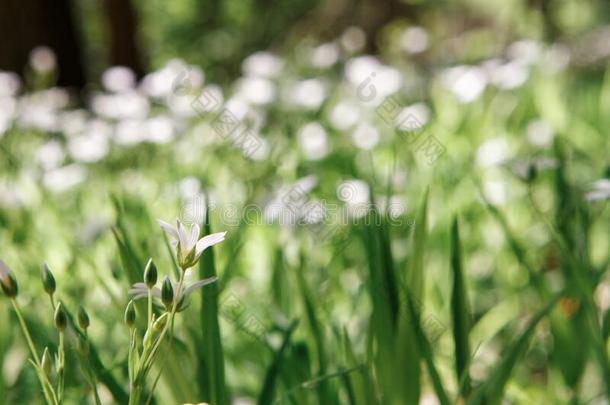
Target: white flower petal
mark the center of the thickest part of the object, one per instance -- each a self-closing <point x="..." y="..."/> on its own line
<point x="209" y="240"/>
<point x="182" y="238"/>
<point x="170" y="230"/>
<point x="194" y="235"/>
<point x="199" y="284"/>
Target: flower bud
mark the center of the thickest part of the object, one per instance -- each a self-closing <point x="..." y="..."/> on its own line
<point x="167" y="293"/>
<point x="61" y="321"/>
<point x="152" y="333"/>
<point x="160" y="323"/>
<point x="8" y="281"/>
<point x="46" y="363"/>
<point x="150" y="274"/>
<point x="83" y="318"/>
<point x="130" y="314"/>
<point x="48" y="281"/>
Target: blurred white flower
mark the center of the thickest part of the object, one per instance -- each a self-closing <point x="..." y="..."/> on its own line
<point x="465" y="82"/>
<point x="313" y="141"/>
<point x="10" y="195"/>
<point x="238" y="108"/>
<point x="353" y="192"/>
<point x="600" y="190"/>
<point x="159" y="129"/>
<point x="414" y="40"/>
<point x="175" y="77"/>
<point x="88" y="148"/>
<point x="262" y="64"/>
<point x="356" y="196"/>
<point x="128" y="104"/>
<point x="41" y="110"/>
<point x="8" y="109"/>
<point x="344" y="115"/>
<point x="507" y="75"/>
<point x="42" y="59"/>
<point x="255" y="90"/>
<point x="494" y="191"/>
<point x="308" y="94"/>
<point x="130" y="132"/>
<point x="9" y="84"/>
<point x="118" y="79"/>
<point x="325" y="55"/>
<point x="539" y="133"/>
<point x="40" y="117"/>
<point x="353" y="39"/>
<point x="492" y="152"/>
<point x="64" y="178"/>
<point x="526" y="51"/>
<point x="72" y="122"/>
<point x="189" y="105"/>
<point x="291" y="202"/>
<point x="365" y="136"/>
<point x="189" y="186"/>
<point x="372" y="80"/>
<point x="556" y="58"/>
<point x="260" y="151"/>
<point x="413" y="117"/>
<point x="602" y="296"/>
<point x="50" y="155"/>
<point x="189" y="247"/>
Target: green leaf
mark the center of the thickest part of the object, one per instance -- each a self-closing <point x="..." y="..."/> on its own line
<point x="210" y="371"/>
<point x="491" y="391"/>
<point x="273" y="371"/>
<point x="460" y="312"/>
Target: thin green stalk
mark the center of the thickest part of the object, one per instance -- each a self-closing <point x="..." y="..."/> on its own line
<point x="171" y="335"/>
<point x="44" y="382"/>
<point x="149" y="357"/>
<point x="60" y="368"/>
<point x="149" y="307"/>
<point x="26" y="333"/>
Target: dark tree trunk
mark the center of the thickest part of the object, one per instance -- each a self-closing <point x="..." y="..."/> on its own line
<point x="25" y="24"/>
<point x="122" y="24"/>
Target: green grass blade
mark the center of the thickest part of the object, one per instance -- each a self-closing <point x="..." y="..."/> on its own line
<point x="460" y="312"/>
<point x="425" y="350"/>
<point x="271" y="376"/>
<point x="210" y="371"/>
<point x="491" y="391"/>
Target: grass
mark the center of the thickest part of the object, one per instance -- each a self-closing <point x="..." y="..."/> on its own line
<point x="333" y="313"/>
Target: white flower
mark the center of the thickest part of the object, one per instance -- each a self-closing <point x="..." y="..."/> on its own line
<point x="140" y="290"/>
<point x="189" y="247"/>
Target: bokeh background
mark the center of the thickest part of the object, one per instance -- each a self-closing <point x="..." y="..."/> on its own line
<point x="335" y="141"/>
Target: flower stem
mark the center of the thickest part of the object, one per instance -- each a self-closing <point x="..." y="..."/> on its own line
<point x="149" y="307"/>
<point x="60" y="367"/>
<point x="26" y="332"/>
<point x="47" y="389"/>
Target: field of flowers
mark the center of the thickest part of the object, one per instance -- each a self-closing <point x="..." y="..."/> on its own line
<point x="332" y="227"/>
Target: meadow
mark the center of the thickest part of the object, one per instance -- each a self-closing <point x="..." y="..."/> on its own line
<point x="331" y="227"/>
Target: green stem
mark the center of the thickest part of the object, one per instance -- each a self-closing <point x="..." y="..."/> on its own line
<point x="25" y="331"/>
<point x="149" y="307"/>
<point x="60" y="368"/>
<point x="47" y="389"/>
<point x="134" y="395"/>
<point x="149" y="357"/>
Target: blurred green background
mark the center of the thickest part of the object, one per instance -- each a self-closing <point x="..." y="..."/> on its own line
<point x="356" y="137"/>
